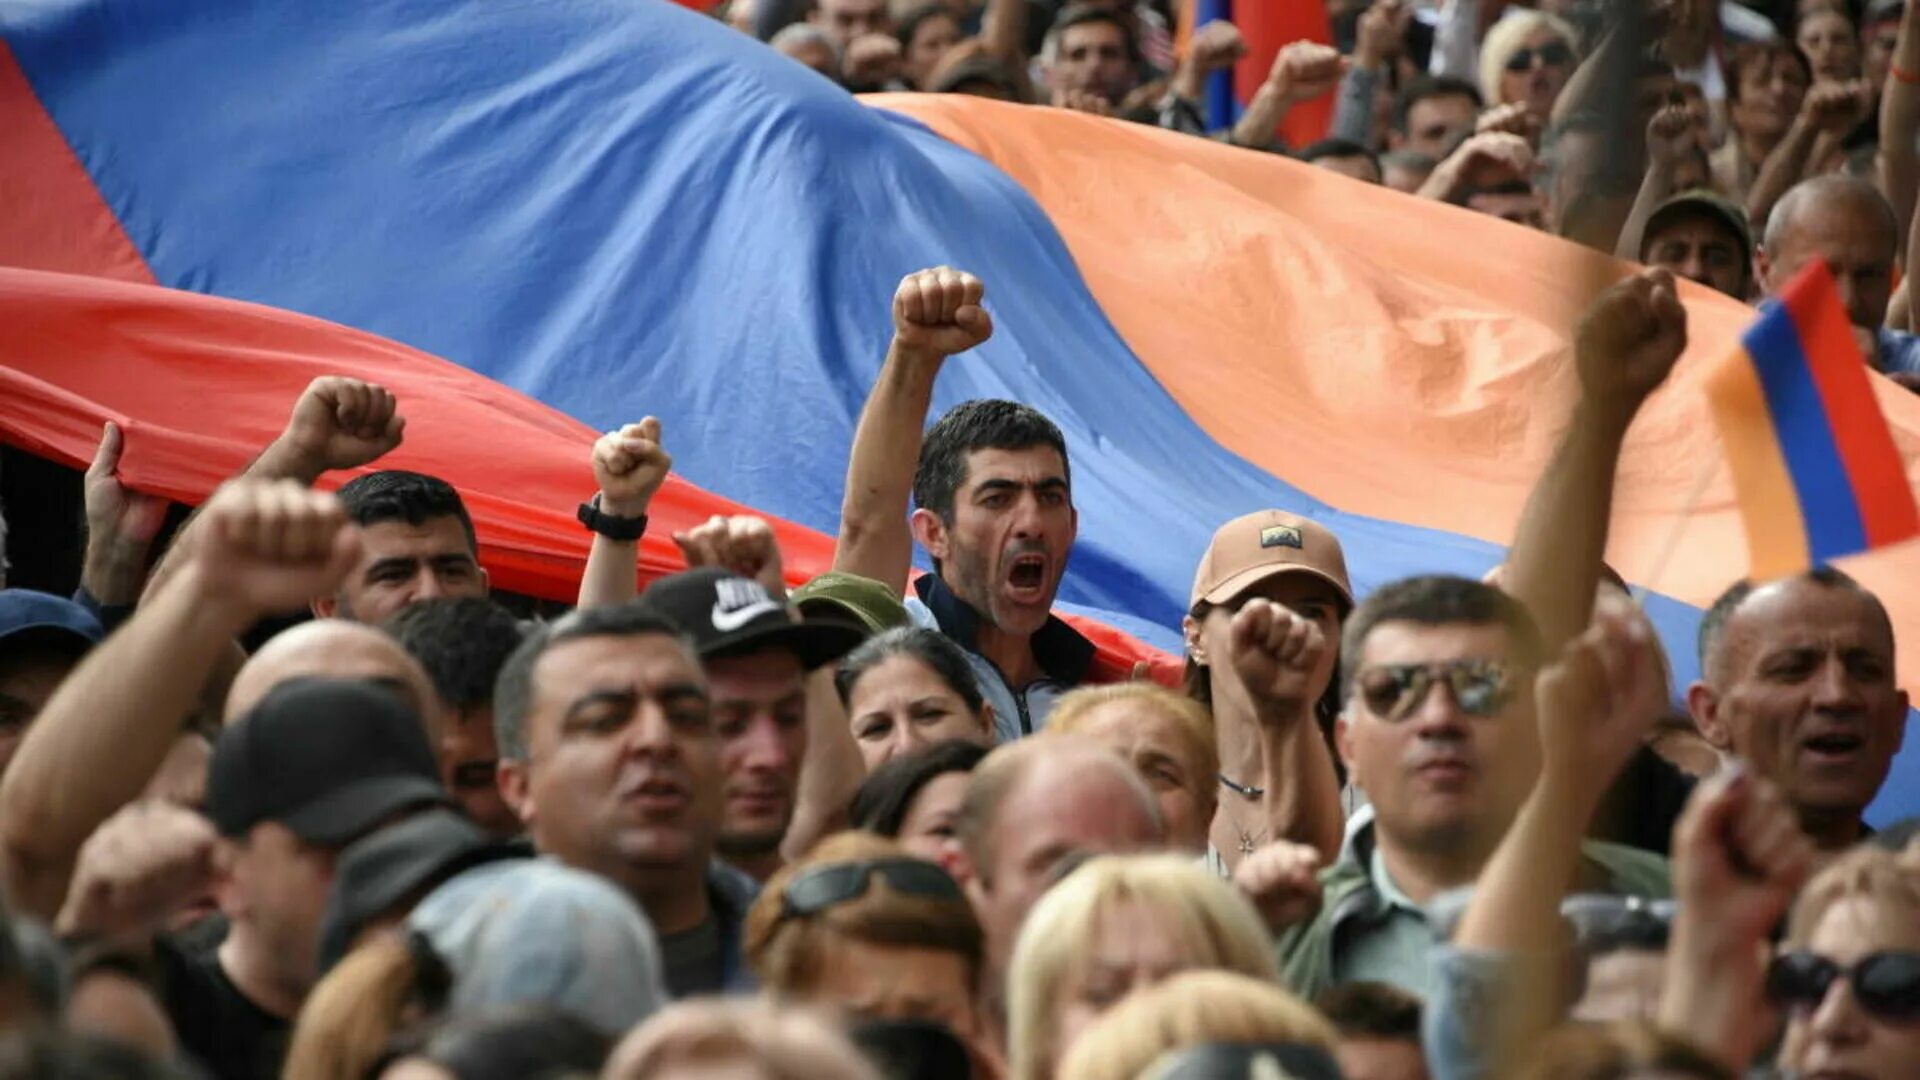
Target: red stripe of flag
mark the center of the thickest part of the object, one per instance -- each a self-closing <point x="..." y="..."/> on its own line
<point x="1865" y="446"/>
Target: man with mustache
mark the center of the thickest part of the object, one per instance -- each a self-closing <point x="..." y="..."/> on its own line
<point x="993" y="507"/>
<point x="1439" y="731"/>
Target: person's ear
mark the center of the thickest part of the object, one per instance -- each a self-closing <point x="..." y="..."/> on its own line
<point x="228" y="892"/>
<point x="1343" y="742"/>
<point x="930" y="532"/>
<point x="514" y="781"/>
<point x="324" y="607"/>
<point x="1704" y="706"/>
<point x="1762" y="266"/>
<point x="1196" y="645"/>
<point x="959" y="866"/>
<point x="486" y="582"/>
<point x="987" y="728"/>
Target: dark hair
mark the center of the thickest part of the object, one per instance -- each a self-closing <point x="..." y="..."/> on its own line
<point x="1371" y="1010"/>
<point x="930" y="647"/>
<point x="1083" y="14"/>
<point x="1431" y="86"/>
<point x="1438" y="600"/>
<point x="910" y="25"/>
<point x="1754" y="53"/>
<point x="1516" y="186"/>
<point x="462" y="643"/>
<point x="398" y="495"/>
<point x="513" y="691"/>
<point x="44" y="1053"/>
<point x="1339" y="148"/>
<point x="522" y="1041"/>
<point x="1713" y="625"/>
<point x="885" y="796"/>
<point x="981" y="424"/>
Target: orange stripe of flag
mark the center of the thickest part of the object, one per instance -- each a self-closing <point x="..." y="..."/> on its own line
<point x="1769" y="509"/>
<point x="1865" y="446"/>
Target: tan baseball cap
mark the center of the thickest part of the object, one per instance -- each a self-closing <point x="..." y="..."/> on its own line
<point x="1263" y="544"/>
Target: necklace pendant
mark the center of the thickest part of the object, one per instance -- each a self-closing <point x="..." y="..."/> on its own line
<point x="1247" y="846"/>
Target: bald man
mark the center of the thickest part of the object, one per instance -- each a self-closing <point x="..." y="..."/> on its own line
<point x="1031" y="807"/>
<point x="334" y="649"/>
<point x="1846" y="221"/>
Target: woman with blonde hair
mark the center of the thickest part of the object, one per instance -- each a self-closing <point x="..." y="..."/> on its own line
<point x="1202" y="1008"/>
<point x="1166" y="737"/>
<point x="1112" y="926"/>
<point x="861" y="927"/>
<point x="742" y="1039"/>
<point x="1528" y="58"/>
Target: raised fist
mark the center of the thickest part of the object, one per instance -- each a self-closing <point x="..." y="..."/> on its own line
<point x="1629" y="340"/>
<point x="1215" y="47"/>
<point x="938" y="312"/>
<point x="1601" y="697"/>
<point x="342" y="423"/>
<point x="1837" y="107"/>
<point x="139" y="867"/>
<point x="1275" y="653"/>
<point x="1671" y="137"/>
<point x="1740" y="854"/>
<point x="1282" y="879"/>
<point x="871" y="60"/>
<point x="742" y="544"/>
<point x="1304" y="70"/>
<point x="630" y="465"/>
<point x="1382" y="33"/>
<point x="270" y="546"/>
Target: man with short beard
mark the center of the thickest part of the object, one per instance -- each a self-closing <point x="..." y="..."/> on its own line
<point x="994" y="508"/>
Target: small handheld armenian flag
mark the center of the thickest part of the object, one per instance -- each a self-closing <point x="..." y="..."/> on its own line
<point x="1814" y="466"/>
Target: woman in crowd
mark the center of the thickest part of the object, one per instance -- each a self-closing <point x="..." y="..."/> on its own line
<point x="915" y="799"/>
<point x="909" y="688"/>
<point x="1167" y="737"/>
<point x="1766" y="83"/>
<point x="1270" y="764"/>
<point x="1527" y="58"/>
<point x="1253" y="1016"/>
<point x="926" y="33"/>
<point x="860" y="927"/>
<point x="1831" y="44"/>
<point x="1113" y="926"/>
<point x="739" y="1039"/>
<point x="1848" y="975"/>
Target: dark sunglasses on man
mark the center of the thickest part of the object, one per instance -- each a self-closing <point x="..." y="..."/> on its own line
<point x="1552" y="54"/>
<point x="818" y="888"/>
<point x="1394" y="691"/>
<point x="1886" y="984"/>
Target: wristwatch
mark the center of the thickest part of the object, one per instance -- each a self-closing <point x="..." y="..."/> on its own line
<point x="611" y="526"/>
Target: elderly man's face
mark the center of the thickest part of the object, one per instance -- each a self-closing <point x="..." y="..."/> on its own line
<point x="1852" y="235"/>
<point x="1802" y="687"/>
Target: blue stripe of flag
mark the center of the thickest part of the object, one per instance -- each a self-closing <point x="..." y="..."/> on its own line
<point x="1827" y="504"/>
<point x="1223" y="106"/>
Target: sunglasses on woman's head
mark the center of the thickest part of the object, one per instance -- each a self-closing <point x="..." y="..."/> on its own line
<point x="1394" y="691"/>
<point x="1886" y="984"/>
<point x="1552" y="54"/>
<point x="818" y="888"/>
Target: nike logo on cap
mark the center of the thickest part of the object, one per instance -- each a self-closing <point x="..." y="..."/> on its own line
<point x="727" y="621"/>
<point x="738" y="602"/>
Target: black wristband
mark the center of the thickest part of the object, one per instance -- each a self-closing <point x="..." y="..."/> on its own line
<point x="628" y="529"/>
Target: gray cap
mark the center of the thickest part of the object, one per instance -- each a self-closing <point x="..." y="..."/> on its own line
<point x="535" y="932"/>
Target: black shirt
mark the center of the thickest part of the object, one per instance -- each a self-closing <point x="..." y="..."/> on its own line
<point x="218" y="1025"/>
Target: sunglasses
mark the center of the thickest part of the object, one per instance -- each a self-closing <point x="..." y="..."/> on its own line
<point x="1394" y="691"/>
<point x="816" y="889"/>
<point x="1887" y="984"/>
<point x="1554" y="54"/>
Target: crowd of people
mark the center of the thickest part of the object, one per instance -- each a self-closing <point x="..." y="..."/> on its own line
<point x="901" y="823"/>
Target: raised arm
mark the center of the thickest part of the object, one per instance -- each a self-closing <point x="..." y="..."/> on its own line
<point x="1827" y="114"/>
<point x="1302" y="71"/>
<point x="1596" y="704"/>
<point x="266" y="548"/>
<point x="629" y="465"/>
<point x="936" y="313"/>
<point x="121" y="526"/>
<point x="1670" y="139"/>
<point x="1275" y="653"/>
<point x="1215" y="47"/>
<point x="1900" y="126"/>
<point x="1379" y="41"/>
<point x="1624" y="347"/>
<point x="1739" y="856"/>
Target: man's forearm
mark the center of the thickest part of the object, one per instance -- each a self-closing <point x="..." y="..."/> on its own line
<point x="1259" y="125"/>
<point x="1785" y="167"/>
<point x="1711" y="993"/>
<point x="1900" y="127"/>
<point x="1554" y="566"/>
<point x="1655" y="188"/>
<point x="1353" y="111"/>
<point x="874" y="541"/>
<point x="104" y="734"/>
<point x="831" y="772"/>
